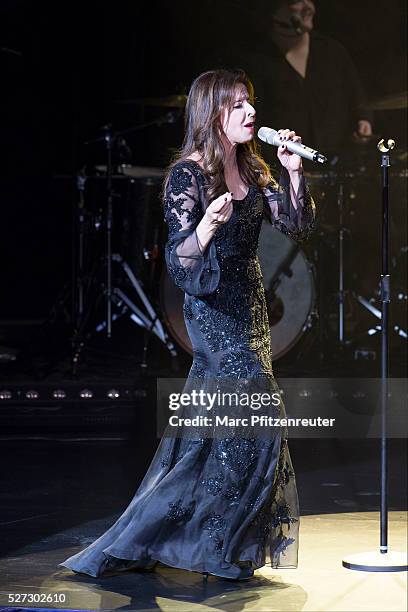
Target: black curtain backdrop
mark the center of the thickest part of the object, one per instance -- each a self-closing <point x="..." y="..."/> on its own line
<point x="65" y="66"/>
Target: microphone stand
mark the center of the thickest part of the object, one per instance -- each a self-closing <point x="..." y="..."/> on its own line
<point x="382" y="560"/>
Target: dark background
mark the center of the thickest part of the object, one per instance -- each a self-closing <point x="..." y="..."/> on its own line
<point x="65" y="64"/>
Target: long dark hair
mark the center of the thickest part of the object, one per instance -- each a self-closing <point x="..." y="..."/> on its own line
<point x="210" y="93"/>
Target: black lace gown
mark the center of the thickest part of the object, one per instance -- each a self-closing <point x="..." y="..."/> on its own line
<point x="225" y="506"/>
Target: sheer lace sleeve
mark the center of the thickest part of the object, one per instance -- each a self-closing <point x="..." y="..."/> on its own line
<point x="194" y="271"/>
<point x="298" y="223"/>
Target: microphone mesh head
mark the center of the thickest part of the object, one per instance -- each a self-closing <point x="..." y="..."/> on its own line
<point x="266" y="134"/>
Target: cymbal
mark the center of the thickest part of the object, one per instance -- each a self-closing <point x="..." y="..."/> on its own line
<point x="136" y="171"/>
<point x="394" y="101"/>
<point x="176" y="101"/>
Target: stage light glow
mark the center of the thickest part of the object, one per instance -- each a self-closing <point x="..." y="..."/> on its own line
<point x="113" y="394"/>
<point x="86" y="394"/>
<point x="32" y="394"/>
<point x="59" y="394"/>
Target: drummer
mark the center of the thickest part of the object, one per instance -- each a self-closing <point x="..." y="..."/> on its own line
<point x="309" y="81"/>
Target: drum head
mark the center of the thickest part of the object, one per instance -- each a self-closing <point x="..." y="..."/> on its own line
<point x="172" y="300"/>
<point x="289" y="291"/>
<point x="289" y="288"/>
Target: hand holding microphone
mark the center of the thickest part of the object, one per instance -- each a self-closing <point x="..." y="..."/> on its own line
<point x="291" y="161"/>
<point x="292" y="144"/>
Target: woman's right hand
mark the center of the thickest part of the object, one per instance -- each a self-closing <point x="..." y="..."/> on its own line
<point x="220" y="210"/>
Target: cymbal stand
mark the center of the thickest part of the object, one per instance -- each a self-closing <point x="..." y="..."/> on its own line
<point x="108" y="228"/>
<point x="78" y="285"/>
<point x="341" y="293"/>
<point x="342" y="232"/>
<point x="151" y="256"/>
<point x="114" y="295"/>
<point x="151" y="321"/>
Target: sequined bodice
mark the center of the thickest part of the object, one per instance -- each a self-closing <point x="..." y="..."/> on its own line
<point x="239" y="237"/>
<point x="225" y="309"/>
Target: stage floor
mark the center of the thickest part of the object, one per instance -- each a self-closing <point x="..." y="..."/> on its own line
<point x="58" y="496"/>
<point x="319" y="583"/>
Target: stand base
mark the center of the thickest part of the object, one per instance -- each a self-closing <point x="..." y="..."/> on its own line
<point x="375" y="561"/>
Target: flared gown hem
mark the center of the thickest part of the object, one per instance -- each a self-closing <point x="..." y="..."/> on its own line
<point x="211" y="568"/>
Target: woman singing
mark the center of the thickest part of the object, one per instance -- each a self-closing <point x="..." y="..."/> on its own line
<point x="218" y="505"/>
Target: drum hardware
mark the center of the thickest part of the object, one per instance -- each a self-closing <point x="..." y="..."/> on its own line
<point x="139" y="172"/>
<point x="79" y="285"/>
<point x="398" y="294"/>
<point x="310" y="321"/>
<point x="154" y="325"/>
<point x="275" y="307"/>
<point x="113" y="296"/>
<point x="340" y="201"/>
<point x="341" y="293"/>
<point x="342" y="177"/>
<point x="400" y="332"/>
<point x="326" y="183"/>
<point x="377" y="313"/>
<point x="315" y="248"/>
<point x="364" y="353"/>
<point x="343" y="181"/>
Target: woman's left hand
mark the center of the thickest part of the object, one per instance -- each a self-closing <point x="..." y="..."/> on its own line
<point x="290" y="161"/>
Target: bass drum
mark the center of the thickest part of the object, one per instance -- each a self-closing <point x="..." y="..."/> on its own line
<point x="289" y="288"/>
<point x="289" y="291"/>
<point x="172" y="300"/>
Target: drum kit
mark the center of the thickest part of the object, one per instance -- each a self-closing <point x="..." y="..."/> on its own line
<point x="327" y="288"/>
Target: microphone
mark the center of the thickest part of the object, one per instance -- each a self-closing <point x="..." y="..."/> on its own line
<point x="272" y="137"/>
<point x="297" y="24"/>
